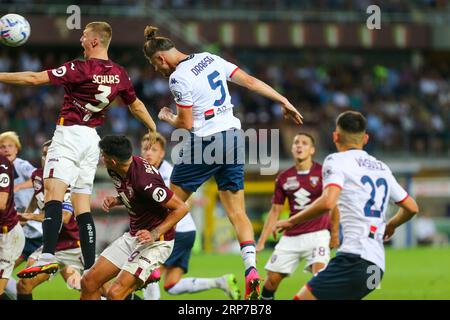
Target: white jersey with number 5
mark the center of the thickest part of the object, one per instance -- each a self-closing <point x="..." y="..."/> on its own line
<point x="200" y="82"/>
<point x="367" y="185"/>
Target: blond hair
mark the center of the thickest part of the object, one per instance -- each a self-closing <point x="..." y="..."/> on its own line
<point x="103" y="30"/>
<point x="11" y="135"/>
<point x="158" y="138"/>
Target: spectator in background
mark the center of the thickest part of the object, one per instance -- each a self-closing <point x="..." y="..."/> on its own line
<point x="427" y="233"/>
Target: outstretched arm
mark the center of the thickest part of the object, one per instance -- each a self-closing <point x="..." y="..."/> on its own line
<point x="243" y="79"/>
<point x="26" y="78"/>
<point x="139" y="111"/>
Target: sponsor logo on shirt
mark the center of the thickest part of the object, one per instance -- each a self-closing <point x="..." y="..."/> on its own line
<point x="61" y="71"/>
<point x="4" y="180"/>
<point x="291" y="184"/>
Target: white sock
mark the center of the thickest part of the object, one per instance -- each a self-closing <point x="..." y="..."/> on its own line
<point x="191" y="285"/>
<point x="152" y="292"/>
<point x="11" y="289"/>
<point x="46" y="257"/>
<point x="248" y="254"/>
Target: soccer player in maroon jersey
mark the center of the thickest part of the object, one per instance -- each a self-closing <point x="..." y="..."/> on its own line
<point x="154" y="210"/>
<point x="90" y="86"/>
<point x="68" y="253"/>
<point x="12" y="239"/>
<point x="301" y="185"/>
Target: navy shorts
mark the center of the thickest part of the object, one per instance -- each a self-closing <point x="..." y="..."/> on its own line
<point x="184" y="241"/>
<point x="221" y="155"/>
<point x="31" y="245"/>
<point x="346" y="277"/>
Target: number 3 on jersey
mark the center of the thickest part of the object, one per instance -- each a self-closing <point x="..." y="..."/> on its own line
<point x="368" y="212"/>
<point x="216" y="84"/>
<point x="105" y="91"/>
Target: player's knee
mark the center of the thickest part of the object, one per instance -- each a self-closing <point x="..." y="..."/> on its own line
<point x="24" y="286"/>
<point x="89" y="284"/>
<point x="114" y="293"/>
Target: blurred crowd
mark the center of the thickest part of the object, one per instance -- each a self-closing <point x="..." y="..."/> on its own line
<point x="311" y="5"/>
<point x="408" y="108"/>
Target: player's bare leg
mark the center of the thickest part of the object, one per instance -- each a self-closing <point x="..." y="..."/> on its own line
<point x="123" y="286"/>
<point x="271" y="284"/>
<point x="92" y="281"/>
<point x="3" y="283"/>
<point x="234" y="205"/>
<point x="304" y="294"/>
<point x="54" y="190"/>
<point x="25" y="286"/>
<point x="316" y="267"/>
<point x="180" y="192"/>
<point x="82" y="209"/>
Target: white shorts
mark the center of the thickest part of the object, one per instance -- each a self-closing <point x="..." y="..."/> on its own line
<point x="290" y="250"/>
<point x="73" y="157"/>
<point x="140" y="260"/>
<point x="11" y="247"/>
<point x="66" y="258"/>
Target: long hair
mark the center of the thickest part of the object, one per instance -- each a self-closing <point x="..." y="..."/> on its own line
<point x="154" y="44"/>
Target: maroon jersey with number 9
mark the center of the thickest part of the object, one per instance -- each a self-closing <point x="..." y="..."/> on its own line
<point x="90" y="86"/>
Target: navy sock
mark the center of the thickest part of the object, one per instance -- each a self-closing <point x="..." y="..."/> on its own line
<point x="86" y="228"/>
<point x="267" y="294"/>
<point x="51" y="225"/>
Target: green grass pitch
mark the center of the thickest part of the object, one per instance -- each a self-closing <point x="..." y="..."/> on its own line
<point x="417" y="273"/>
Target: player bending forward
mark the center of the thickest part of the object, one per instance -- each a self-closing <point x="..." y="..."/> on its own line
<point x="301" y="184"/>
<point x="360" y="185"/>
<point x="68" y="252"/>
<point x="153" y="209"/>
<point x="178" y="262"/>
<point x="90" y="86"/>
<point x="198" y="83"/>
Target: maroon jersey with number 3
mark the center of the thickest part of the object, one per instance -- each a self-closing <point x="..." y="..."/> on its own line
<point x="90" y="86"/>
<point x="301" y="189"/>
<point x="68" y="236"/>
<point x="143" y="193"/>
<point x="8" y="216"/>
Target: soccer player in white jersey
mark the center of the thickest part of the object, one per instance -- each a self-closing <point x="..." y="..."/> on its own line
<point x="361" y="186"/>
<point x="178" y="262"/>
<point x="198" y="83"/>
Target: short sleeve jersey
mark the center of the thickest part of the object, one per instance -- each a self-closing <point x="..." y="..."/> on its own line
<point x="143" y="193"/>
<point x="301" y="189"/>
<point x="90" y="86"/>
<point x="200" y="82"/>
<point x="367" y="187"/>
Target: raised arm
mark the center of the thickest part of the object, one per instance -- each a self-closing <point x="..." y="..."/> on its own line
<point x="26" y="78"/>
<point x="183" y="119"/>
<point x="272" y="219"/>
<point x="245" y="80"/>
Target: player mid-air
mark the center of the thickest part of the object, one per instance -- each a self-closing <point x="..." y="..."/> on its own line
<point x="178" y="263"/>
<point x="153" y="209"/>
<point x="311" y="240"/>
<point x="90" y="86"/>
<point x="361" y="186"/>
<point x="198" y="83"/>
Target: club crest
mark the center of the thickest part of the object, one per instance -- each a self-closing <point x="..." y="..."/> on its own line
<point x="314" y="181"/>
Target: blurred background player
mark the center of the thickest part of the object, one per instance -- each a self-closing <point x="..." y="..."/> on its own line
<point x="68" y="252"/>
<point x="177" y="264"/>
<point x="154" y="211"/>
<point x="301" y="184"/>
<point x="204" y="107"/>
<point x="90" y="86"/>
<point x="360" y="185"/>
<point x="10" y="146"/>
<point x="12" y="239"/>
